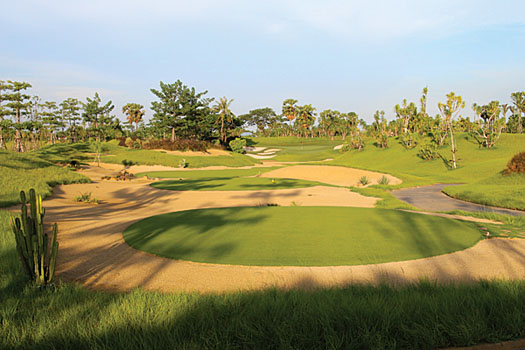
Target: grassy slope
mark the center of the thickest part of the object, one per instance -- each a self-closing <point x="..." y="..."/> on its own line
<point x="303" y="236"/>
<point x="148" y="157"/>
<point x="475" y="164"/>
<point x="24" y="171"/>
<point x="506" y="191"/>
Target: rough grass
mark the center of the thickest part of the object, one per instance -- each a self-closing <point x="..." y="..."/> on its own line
<point x="25" y="171"/>
<point x="299" y="236"/>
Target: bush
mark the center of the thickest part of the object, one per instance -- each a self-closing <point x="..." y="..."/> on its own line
<point x="128" y="142"/>
<point x="428" y="152"/>
<point x="516" y="165"/>
<point x="86" y="198"/>
<point x="238" y="145"/>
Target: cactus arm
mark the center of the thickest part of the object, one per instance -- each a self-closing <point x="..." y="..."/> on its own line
<point x="53" y="256"/>
<point x="20" y="243"/>
<point x="36" y="270"/>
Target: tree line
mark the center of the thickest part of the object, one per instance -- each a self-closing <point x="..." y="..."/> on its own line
<point x="181" y="112"/>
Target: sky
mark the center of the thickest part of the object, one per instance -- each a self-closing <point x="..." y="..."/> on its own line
<point x="349" y="55"/>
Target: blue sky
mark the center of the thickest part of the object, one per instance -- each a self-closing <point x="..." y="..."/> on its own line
<point x="345" y="55"/>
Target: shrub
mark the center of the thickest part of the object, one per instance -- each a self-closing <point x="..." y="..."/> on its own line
<point x="183" y="163"/>
<point x="428" y="152"/>
<point x="127" y="163"/>
<point x="238" y="145"/>
<point x="364" y="180"/>
<point x="128" y="142"/>
<point x="383" y="180"/>
<point x="86" y="198"/>
<point x="516" y="165"/>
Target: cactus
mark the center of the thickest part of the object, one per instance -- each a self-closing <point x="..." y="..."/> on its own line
<point x="37" y="255"/>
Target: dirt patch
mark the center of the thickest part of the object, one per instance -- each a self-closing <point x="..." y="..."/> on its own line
<point x="333" y="175"/>
<point x="93" y="252"/>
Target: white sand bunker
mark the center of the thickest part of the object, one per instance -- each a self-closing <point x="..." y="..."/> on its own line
<point x="338" y="147"/>
<point x="334" y="175"/>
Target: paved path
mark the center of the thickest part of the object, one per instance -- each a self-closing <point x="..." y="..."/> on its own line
<point x="431" y="198"/>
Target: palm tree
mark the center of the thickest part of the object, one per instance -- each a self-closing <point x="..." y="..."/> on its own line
<point x="290" y="109"/>
<point x="305" y="117"/>
<point x="518" y="98"/>
<point x="134" y="113"/>
<point x="224" y="114"/>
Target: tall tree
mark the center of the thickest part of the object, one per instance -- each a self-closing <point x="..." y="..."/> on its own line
<point x="97" y="114"/>
<point x="406" y="114"/>
<point x="379" y="129"/>
<point x="3" y="111"/>
<point x="449" y="111"/>
<point x="224" y="115"/>
<point x="51" y="119"/>
<point x="70" y="111"/>
<point x="290" y="109"/>
<point x="262" y="118"/>
<point x="134" y="113"/>
<point x="18" y="102"/>
<point x="518" y="98"/>
<point x="305" y="118"/>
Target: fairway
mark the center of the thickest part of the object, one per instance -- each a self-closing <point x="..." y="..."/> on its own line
<point x="299" y="236"/>
<point x="233" y="184"/>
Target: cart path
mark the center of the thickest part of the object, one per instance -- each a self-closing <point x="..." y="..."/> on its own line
<point x="431" y="198"/>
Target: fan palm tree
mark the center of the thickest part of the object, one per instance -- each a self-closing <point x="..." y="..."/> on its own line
<point x="134" y="113"/>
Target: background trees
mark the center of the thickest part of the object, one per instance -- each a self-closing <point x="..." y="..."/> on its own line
<point x="17" y="103"/>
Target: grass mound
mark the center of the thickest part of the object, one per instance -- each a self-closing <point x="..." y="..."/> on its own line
<point x="299" y="236"/>
<point x="506" y="191"/>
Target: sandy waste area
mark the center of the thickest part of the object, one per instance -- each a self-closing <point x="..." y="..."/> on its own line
<point x="93" y="252"/>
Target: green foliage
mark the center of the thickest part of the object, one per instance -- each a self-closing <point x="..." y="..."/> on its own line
<point x="516" y="165"/>
<point x="128" y="142"/>
<point x="364" y="180"/>
<point x="86" y="198"/>
<point x="238" y="145"/>
<point x="383" y="180"/>
<point x="37" y="255"/>
<point x="429" y="151"/>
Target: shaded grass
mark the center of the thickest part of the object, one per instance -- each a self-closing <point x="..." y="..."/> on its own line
<point x="507" y="191"/>
<point x="25" y="171"/>
<point x="233" y="184"/>
<point x="64" y="153"/>
<point x="299" y="236"/>
<point x="199" y="174"/>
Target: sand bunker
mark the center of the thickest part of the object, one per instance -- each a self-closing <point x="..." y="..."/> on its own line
<point x="93" y="252"/>
<point x="333" y="175"/>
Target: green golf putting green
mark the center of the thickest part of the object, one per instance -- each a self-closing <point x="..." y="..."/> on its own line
<point x="299" y="236"/>
<point x="233" y="184"/>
